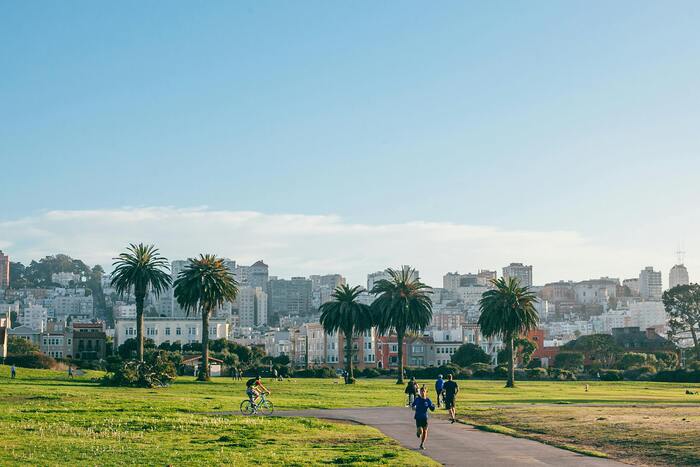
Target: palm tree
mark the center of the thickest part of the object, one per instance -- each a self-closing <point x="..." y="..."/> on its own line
<point x="403" y="305"/>
<point x="348" y="316"/>
<point x="204" y="285"/>
<point x="508" y="311"/>
<point x="140" y="268"/>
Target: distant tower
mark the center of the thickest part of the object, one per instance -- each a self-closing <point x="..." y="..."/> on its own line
<point x="679" y="273"/>
<point x="4" y="271"/>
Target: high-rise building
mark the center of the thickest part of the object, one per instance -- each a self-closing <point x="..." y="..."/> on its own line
<point x="256" y="275"/>
<point x="251" y="303"/>
<point x="289" y="297"/>
<point x="519" y="271"/>
<point x="678" y="276"/>
<point x="650" y="284"/>
<point x="4" y="271"/>
<point x="375" y="277"/>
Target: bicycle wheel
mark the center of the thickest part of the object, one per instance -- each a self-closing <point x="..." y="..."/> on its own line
<point x="266" y="408"/>
<point x="247" y="407"/>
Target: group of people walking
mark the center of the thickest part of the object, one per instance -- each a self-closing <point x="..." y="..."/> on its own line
<point x="446" y="393"/>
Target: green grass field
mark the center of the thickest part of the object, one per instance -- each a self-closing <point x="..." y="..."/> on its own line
<point x="47" y="419"/>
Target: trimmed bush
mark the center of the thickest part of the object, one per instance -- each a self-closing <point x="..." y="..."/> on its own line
<point x="536" y="373"/>
<point x="677" y="376"/>
<point x="500" y="372"/>
<point x="562" y="375"/>
<point x="569" y="360"/>
<point x="611" y="375"/>
<point x="370" y="373"/>
<point x="31" y="360"/>
<point x="322" y="372"/>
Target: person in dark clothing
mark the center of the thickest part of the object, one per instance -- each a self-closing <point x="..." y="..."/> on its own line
<point x="422" y="404"/>
<point x="411" y="391"/>
<point x="450" y="393"/>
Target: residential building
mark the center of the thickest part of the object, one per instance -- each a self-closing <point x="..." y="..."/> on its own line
<point x="56" y="344"/>
<point x="63" y="306"/>
<point x="678" y="276"/>
<point x="374" y="277"/>
<point x="169" y="329"/>
<point x="34" y="316"/>
<point x="596" y="291"/>
<point x="124" y="311"/>
<point x="632" y="285"/>
<point x="519" y="271"/>
<point x="633" y="339"/>
<point x="89" y="341"/>
<point x="4" y="271"/>
<point x="255" y="275"/>
<point x="65" y="278"/>
<point x="25" y="332"/>
<point x="650" y="284"/>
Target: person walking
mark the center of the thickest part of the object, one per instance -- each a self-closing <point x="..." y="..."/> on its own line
<point x="70" y="372"/>
<point x="411" y="391"/>
<point x="439" y="384"/>
<point x="450" y="389"/>
<point x="13" y="372"/>
<point x="421" y="404"/>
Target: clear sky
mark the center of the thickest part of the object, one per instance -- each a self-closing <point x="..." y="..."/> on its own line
<point x="576" y="120"/>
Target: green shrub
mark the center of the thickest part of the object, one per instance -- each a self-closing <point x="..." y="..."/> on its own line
<point x="535" y="363"/>
<point x="666" y="360"/>
<point x="370" y="373"/>
<point x="31" y="360"/>
<point x="677" y="376"/>
<point x="322" y="372"/>
<point x="611" y="375"/>
<point x="537" y="373"/>
<point x="156" y="372"/>
<point x="562" y="375"/>
<point x="642" y="373"/>
<point x="500" y="372"/>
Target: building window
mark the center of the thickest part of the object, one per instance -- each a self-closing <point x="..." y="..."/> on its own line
<point x="178" y="331"/>
<point x="394" y="347"/>
<point x="167" y="331"/>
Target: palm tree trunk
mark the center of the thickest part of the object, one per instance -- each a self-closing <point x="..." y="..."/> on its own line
<point x="139" y="327"/>
<point x="204" y="370"/>
<point x="350" y="378"/>
<point x="511" y="364"/>
<point x="399" y="340"/>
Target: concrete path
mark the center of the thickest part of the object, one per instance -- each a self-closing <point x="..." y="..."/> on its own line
<point x="457" y="444"/>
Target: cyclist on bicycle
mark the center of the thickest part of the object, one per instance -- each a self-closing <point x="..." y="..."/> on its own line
<point x="254" y="387"/>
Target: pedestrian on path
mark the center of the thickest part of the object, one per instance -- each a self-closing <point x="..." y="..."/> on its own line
<point x="451" y="389"/>
<point x="439" y="383"/>
<point x="422" y="404"/>
<point x="411" y="391"/>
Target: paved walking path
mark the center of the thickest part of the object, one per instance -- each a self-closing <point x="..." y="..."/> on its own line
<point x="457" y="444"/>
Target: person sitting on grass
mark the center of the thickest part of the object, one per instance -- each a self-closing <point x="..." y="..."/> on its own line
<point x="254" y="387"/>
<point x="422" y="404"/>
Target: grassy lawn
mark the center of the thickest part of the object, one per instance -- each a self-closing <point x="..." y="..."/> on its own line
<point x="47" y="419"/>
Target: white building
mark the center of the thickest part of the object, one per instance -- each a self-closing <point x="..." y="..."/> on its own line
<point x="650" y="284"/>
<point x="64" y="306"/>
<point x="124" y="311"/>
<point x="65" y="278"/>
<point x="34" y="316"/>
<point x="165" y="329"/>
<point x="678" y="276"/>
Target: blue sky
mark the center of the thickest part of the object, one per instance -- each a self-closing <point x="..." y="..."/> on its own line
<point x="522" y="116"/>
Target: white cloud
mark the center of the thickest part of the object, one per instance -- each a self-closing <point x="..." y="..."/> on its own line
<point x="295" y="244"/>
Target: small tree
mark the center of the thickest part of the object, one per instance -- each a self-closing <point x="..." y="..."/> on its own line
<point x="468" y="354"/>
<point x="524" y="348"/>
<point x="18" y="346"/>
<point x="572" y="361"/>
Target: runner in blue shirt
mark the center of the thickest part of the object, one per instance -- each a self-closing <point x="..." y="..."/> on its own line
<point x="439" y="383"/>
<point x="422" y="404"/>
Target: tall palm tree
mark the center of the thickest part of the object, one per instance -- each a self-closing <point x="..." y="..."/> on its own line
<point x="140" y="268"/>
<point x="345" y="314"/>
<point x="508" y="310"/>
<point x="204" y="285"/>
<point x="403" y="305"/>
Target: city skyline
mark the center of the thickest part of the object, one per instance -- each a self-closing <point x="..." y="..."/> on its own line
<point x="305" y="245"/>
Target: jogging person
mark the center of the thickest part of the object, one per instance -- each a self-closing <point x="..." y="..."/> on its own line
<point x="439" y="383"/>
<point x="254" y="387"/>
<point x="450" y="389"/>
<point x="422" y="404"/>
<point x="410" y="391"/>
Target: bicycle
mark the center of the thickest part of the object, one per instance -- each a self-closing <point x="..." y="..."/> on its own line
<point x="264" y="406"/>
